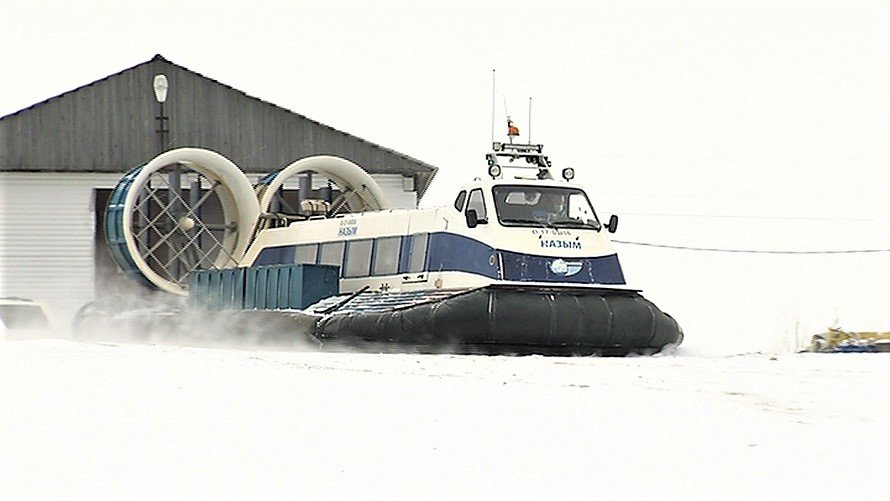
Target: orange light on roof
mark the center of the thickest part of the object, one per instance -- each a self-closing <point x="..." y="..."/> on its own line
<point x="512" y="129"/>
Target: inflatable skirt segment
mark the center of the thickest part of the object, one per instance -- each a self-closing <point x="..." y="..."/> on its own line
<point x="518" y="319"/>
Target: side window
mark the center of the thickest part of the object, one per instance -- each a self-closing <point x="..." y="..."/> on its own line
<point x="417" y="260"/>
<point x="386" y="256"/>
<point x="579" y="208"/>
<point x="331" y="253"/>
<point x="358" y="258"/>
<point x="459" y="201"/>
<point x="306" y="254"/>
<point x="477" y="202"/>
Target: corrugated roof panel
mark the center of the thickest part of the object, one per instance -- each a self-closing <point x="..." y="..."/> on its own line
<point x="109" y="126"/>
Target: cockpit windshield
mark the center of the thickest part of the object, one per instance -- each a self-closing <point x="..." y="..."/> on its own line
<point x="547" y="206"/>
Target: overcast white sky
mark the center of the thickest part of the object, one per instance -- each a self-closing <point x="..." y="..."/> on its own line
<point x="759" y="108"/>
<point x="780" y="100"/>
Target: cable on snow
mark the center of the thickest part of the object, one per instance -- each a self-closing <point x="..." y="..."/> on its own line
<point x="750" y="251"/>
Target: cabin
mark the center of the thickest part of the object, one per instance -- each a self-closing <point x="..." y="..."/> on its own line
<point x="541" y="231"/>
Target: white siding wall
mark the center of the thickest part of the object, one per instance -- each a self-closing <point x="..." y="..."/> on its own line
<point x="394" y="188"/>
<point x="46" y="238"/>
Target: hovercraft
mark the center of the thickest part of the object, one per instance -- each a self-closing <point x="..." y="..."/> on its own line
<point x="517" y="264"/>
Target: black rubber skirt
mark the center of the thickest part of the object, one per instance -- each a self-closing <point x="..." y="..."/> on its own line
<point x="517" y="319"/>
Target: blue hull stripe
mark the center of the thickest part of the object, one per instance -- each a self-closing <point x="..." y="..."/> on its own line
<point x="450" y="252"/>
<point x="589" y="270"/>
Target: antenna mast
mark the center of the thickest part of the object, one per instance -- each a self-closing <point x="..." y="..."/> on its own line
<point x="529" y="120"/>
<point x="492" y="105"/>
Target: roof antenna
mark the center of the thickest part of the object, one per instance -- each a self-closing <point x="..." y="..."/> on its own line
<point x="492" y="105"/>
<point x="529" y="120"/>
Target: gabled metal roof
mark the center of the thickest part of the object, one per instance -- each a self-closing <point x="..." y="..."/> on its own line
<point x="109" y="125"/>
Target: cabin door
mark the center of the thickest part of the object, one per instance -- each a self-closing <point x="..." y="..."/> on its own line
<point x="414" y="258"/>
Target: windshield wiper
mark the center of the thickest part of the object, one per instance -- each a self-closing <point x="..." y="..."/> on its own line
<point x="543" y="224"/>
<point x="577" y="223"/>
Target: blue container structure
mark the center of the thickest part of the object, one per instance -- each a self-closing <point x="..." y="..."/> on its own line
<point x="273" y="287"/>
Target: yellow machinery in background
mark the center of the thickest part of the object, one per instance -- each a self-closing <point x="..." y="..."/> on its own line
<point x="838" y="340"/>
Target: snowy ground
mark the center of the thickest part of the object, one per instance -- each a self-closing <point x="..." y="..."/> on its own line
<point x="87" y="419"/>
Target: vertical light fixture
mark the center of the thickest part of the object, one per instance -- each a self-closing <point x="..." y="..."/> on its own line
<point x="160" y="86"/>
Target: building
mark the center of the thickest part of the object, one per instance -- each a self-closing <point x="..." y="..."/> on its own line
<point x="60" y="159"/>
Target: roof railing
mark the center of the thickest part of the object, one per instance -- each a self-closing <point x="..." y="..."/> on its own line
<point x="531" y="153"/>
